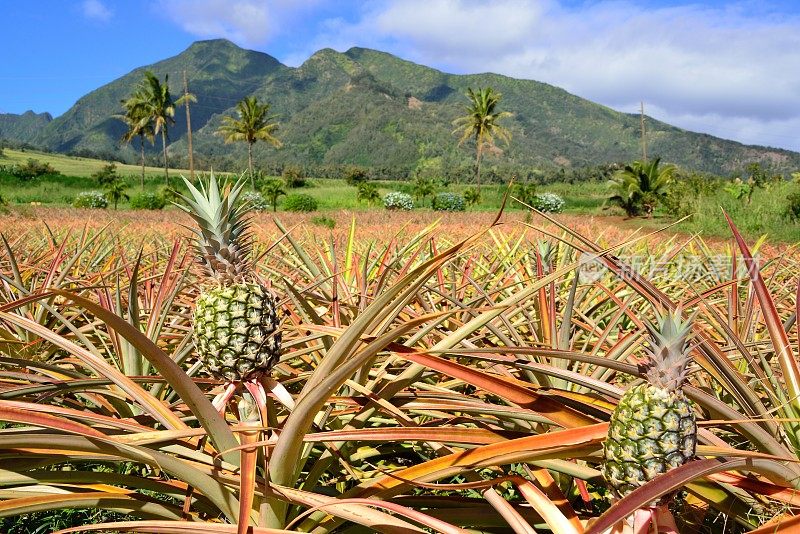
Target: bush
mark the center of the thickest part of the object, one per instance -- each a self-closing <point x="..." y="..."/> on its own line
<point x="148" y="201"/>
<point x="294" y="177"/>
<point x="448" y="202"/>
<point x="526" y="193"/>
<point x="107" y="174"/>
<point x="548" y="203"/>
<point x="398" y="201"/>
<point x="255" y="201"/>
<point x="169" y="194"/>
<point x="423" y="187"/>
<point x="90" y="199"/>
<point x="472" y="196"/>
<point x="793" y="208"/>
<point x="322" y="220"/>
<point x="679" y="201"/>
<point x="684" y="193"/>
<point x="368" y="192"/>
<point x="355" y="175"/>
<point x="300" y="202"/>
<point x="32" y="169"/>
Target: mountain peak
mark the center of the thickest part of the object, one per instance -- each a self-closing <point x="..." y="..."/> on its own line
<point x="325" y="53"/>
<point x="221" y="43"/>
<point x="330" y="58"/>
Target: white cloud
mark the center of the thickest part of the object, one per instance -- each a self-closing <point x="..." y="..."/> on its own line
<point x="246" y="22"/>
<point x="96" y="10"/>
<point x="733" y="71"/>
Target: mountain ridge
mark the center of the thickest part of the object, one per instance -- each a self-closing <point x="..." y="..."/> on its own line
<point x="368" y="107"/>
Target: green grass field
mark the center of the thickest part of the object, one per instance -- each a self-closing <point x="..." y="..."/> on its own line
<point x="763" y="216"/>
<point x="80" y="167"/>
<point x="331" y="194"/>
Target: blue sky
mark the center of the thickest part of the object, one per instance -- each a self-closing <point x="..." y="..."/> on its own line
<point x="730" y="68"/>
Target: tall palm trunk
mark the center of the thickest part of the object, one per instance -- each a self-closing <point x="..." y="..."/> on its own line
<point x="250" y="165"/>
<point x="166" y="165"/>
<point x="478" y="164"/>
<point x="141" y="146"/>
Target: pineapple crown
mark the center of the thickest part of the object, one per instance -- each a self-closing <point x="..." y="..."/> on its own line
<point x="222" y="238"/>
<point x="667" y="361"/>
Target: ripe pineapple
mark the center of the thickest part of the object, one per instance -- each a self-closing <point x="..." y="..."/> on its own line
<point x="235" y="324"/>
<point x="653" y="429"/>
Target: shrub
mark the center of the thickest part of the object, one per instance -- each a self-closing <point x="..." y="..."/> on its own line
<point x="355" y="175"/>
<point x="300" y="202"/>
<point x="368" y="192"/>
<point x="679" y="201"/>
<point x="148" y="201"/>
<point x="398" y="201"/>
<point x="684" y="194"/>
<point x="32" y="169"/>
<point x="548" y="203"/>
<point x="423" y="187"/>
<point x="90" y="199"/>
<point x="107" y="174"/>
<point x="255" y="200"/>
<point x="169" y="194"/>
<point x="472" y="196"/>
<point x="322" y="220"/>
<point x="448" y="202"/>
<point x="793" y="207"/>
<point x="526" y="193"/>
<point x="294" y="176"/>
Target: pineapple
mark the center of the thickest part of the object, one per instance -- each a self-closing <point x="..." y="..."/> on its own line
<point x="653" y="429"/>
<point x="235" y="324"/>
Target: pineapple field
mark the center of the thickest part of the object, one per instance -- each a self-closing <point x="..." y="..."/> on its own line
<point x="215" y="370"/>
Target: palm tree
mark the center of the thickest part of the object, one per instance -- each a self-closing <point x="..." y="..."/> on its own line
<point x="368" y="192"/>
<point x="423" y="187"/>
<point x="472" y="196"/>
<point x="526" y="193"/>
<point x="115" y="191"/>
<point x="153" y="102"/>
<point x="638" y="187"/>
<point x="481" y="123"/>
<point x="139" y="125"/>
<point x="272" y="190"/>
<point x="254" y="124"/>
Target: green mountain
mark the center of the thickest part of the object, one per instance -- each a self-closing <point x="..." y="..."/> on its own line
<point x="373" y="109"/>
<point x="23" y="128"/>
<point x="221" y="74"/>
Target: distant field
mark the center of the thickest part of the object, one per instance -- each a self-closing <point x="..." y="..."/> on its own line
<point x="331" y="194"/>
<point x="82" y="167"/>
<point x="764" y="216"/>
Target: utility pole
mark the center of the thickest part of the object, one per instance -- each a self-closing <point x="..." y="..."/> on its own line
<point x="644" y="135"/>
<point x="188" y="125"/>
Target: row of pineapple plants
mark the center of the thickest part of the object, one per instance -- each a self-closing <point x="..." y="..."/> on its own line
<point x="402" y="384"/>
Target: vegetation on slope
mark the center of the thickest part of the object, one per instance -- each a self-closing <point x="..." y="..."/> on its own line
<point x="373" y="109"/>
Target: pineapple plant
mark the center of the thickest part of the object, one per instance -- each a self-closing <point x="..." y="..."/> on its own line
<point x="653" y="429"/>
<point x="235" y="323"/>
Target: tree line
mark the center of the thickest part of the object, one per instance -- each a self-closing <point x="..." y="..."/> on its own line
<point x="150" y="110"/>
